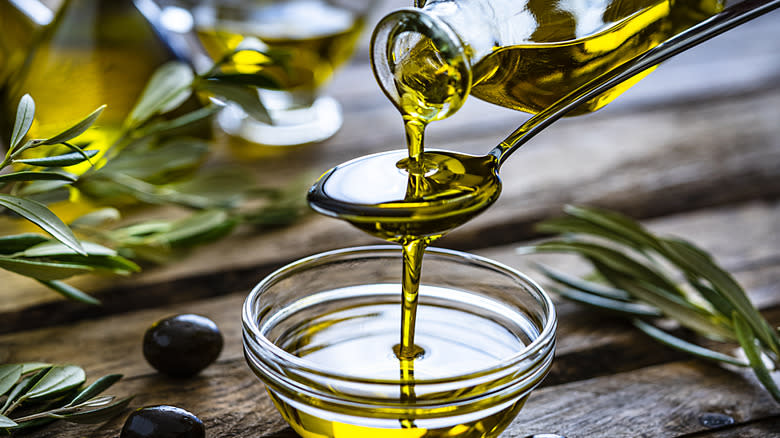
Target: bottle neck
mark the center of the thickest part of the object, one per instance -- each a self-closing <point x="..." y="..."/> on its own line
<point x="409" y="49"/>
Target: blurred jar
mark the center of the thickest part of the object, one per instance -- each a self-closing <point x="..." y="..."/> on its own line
<point x="315" y="37"/>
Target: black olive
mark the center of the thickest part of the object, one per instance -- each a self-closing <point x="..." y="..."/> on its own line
<point x="182" y="345"/>
<point x="162" y="422"/>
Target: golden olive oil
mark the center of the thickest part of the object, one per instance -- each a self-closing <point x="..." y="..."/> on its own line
<point x="415" y="197"/>
<point x="316" y="37"/>
<point x="356" y="334"/>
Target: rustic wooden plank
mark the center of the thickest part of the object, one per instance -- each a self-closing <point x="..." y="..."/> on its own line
<point x="651" y="156"/>
<point x="759" y="429"/>
<point x="665" y="164"/>
<point x="661" y="401"/>
<point x="589" y="344"/>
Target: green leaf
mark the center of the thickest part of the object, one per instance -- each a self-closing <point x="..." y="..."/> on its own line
<point x="246" y="98"/>
<point x="58" y="380"/>
<point x="38" y="214"/>
<point x="19" y="242"/>
<point x="97" y="218"/>
<point x="76" y="129"/>
<point x="616" y="223"/>
<point x="623" y="307"/>
<point x="198" y="226"/>
<point x="21" y="388"/>
<point x="695" y="261"/>
<point x="52" y="249"/>
<point x="42" y="270"/>
<point x="63" y="160"/>
<point x="7" y="422"/>
<point x="70" y="292"/>
<point x="95" y="388"/>
<point x="25" y="113"/>
<point x="29" y="367"/>
<point x="171" y="83"/>
<point x="9" y="375"/>
<point x="585" y="286"/>
<point x="99" y="414"/>
<point x="685" y="346"/>
<point x="27" y="175"/>
<point x="747" y="340"/>
<point x="162" y="126"/>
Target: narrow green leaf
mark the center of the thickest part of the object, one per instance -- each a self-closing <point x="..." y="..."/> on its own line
<point x="42" y="270"/>
<point x="7" y="422"/>
<point x="29" y="367"/>
<point x="53" y="190"/>
<point x="38" y="214"/>
<point x="9" y="375"/>
<point x="718" y="302"/>
<point x="100" y="414"/>
<point x="28" y="175"/>
<point x="747" y="340"/>
<point x="245" y="97"/>
<point x="19" y="242"/>
<point x="162" y="126"/>
<point x="95" y="388"/>
<point x="25" y="113"/>
<point x="62" y="160"/>
<point x="192" y="227"/>
<point x="77" y="129"/>
<point x="616" y="223"/>
<point x="166" y="86"/>
<point x="612" y="258"/>
<point x="112" y="264"/>
<point x="696" y="261"/>
<point x="58" y="380"/>
<point x="97" y="218"/>
<point x="622" y="307"/>
<point x="584" y="286"/>
<point x="21" y="388"/>
<point x="685" y="346"/>
<point x="70" y="292"/>
<point x="52" y="249"/>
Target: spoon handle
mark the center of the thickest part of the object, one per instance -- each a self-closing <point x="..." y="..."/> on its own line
<point x="728" y="18"/>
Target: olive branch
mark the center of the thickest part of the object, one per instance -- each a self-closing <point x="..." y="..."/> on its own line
<point x="635" y="273"/>
<point x="154" y="162"/>
<point x="40" y="393"/>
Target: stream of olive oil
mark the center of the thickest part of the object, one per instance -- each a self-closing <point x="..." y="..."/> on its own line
<point x="414" y="198"/>
<point x="317" y="37"/>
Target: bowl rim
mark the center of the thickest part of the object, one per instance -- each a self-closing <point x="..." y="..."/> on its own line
<point x="250" y="327"/>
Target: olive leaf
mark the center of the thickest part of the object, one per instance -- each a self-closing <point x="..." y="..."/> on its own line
<point x="25" y="113"/>
<point x="40" y="215"/>
<point x="7" y="422"/>
<point x="75" y="130"/>
<point x="69" y="292"/>
<point x="168" y="87"/>
<point x="247" y="98"/>
<point x="62" y="160"/>
<point x="642" y="269"/>
<point x="58" y="380"/>
<point x="9" y="375"/>
<point x="95" y="388"/>
<point x="37" y="176"/>
<point x="20" y="242"/>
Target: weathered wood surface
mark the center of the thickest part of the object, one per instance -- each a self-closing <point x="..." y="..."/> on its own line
<point x="697" y="132"/>
<point x="694" y="149"/>
<point x="606" y="376"/>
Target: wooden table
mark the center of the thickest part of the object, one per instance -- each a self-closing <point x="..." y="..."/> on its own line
<point x="693" y="150"/>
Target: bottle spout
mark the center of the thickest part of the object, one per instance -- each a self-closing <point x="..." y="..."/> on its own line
<point x="421" y="64"/>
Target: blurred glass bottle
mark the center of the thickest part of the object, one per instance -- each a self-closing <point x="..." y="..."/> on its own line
<point x="521" y="54"/>
<point x="20" y="20"/>
<point x="94" y="52"/>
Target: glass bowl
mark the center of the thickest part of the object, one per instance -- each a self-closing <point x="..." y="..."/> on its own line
<point x="320" y="334"/>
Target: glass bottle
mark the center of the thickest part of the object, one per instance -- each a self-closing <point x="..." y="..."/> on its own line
<point x="20" y="20"/>
<point x="94" y="52"/>
<point x="521" y="54"/>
